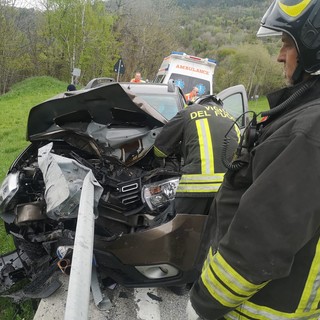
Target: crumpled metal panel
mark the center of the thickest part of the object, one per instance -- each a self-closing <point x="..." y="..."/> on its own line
<point x="127" y="144"/>
<point x="115" y="136"/>
<point x="101" y="103"/>
<point x="63" y="179"/>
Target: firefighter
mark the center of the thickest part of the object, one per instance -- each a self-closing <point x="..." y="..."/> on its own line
<point x="264" y="256"/>
<point x="197" y="134"/>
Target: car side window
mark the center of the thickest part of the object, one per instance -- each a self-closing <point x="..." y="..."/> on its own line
<point x="235" y="101"/>
<point x="234" y="105"/>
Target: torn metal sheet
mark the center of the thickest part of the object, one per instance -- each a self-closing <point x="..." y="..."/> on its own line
<point x="101" y="301"/>
<point x="64" y="181"/>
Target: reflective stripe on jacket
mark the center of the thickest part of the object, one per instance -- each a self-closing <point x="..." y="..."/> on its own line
<point x="203" y="183"/>
<point x="230" y="289"/>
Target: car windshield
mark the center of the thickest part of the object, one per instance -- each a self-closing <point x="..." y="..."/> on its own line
<point x="167" y="105"/>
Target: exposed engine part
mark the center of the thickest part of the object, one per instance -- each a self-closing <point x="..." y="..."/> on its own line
<point x="29" y="212"/>
<point x="12" y="268"/>
<point x="65" y="266"/>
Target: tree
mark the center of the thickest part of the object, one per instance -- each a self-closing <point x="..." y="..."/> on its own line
<point x="77" y="33"/>
<point x="14" y="62"/>
<point x="60" y="35"/>
<point x="252" y="66"/>
<point x="148" y="32"/>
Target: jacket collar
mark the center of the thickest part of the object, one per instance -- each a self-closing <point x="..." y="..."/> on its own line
<point x="277" y="97"/>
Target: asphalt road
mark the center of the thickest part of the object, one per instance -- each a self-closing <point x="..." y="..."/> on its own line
<point x="126" y="304"/>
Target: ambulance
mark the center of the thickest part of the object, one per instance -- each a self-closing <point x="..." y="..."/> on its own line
<point x="187" y="72"/>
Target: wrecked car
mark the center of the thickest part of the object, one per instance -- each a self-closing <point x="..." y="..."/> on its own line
<point x="139" y="239"/>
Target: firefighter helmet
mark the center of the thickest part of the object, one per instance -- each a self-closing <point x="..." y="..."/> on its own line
<point x="301" y="20"/>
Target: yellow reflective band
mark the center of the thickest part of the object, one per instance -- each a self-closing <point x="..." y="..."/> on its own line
<point x="234" y="284"/>
<point x="187" y="178"/>
<point x="295" y="10"/>
<point x="255" y="311"/>
<point x="233" y="276"/>
<point x="205" y="265"/>
<point x="210" y="157"/>
<point x="237" y="132"/>
<point x="205" y="144"/>
<point x="230" y="288"/>
<point x="311" y="293"/>
<point x="233" y="316"/>
<point x="218" y="291"/>
<point x="159" y="153"/>
<point x="213" y="187"/>
<point x="208" y="259"/>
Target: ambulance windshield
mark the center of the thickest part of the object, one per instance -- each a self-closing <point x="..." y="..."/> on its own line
<point x="186" y="83"/>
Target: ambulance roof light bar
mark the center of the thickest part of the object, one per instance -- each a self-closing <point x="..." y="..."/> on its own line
<point x="193" y="57"/>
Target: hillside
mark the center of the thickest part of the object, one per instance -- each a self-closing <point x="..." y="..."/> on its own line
<point x="222" y="23"/>
<point x="222" y="3"/>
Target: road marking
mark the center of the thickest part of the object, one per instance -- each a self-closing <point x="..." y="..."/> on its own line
<point x="148" y="308"/>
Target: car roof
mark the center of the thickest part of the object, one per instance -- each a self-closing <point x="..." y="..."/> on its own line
<point x="97" y="82"/>
<point x="145" y="87"/>
<point x="159" y="88"/>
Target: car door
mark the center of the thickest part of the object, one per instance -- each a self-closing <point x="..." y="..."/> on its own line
<point x="235" y="101"/>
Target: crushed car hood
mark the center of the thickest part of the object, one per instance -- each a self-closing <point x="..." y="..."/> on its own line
<point x="105" y="105"/>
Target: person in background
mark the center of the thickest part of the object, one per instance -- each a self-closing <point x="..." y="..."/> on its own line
<point x="137" y="78"/>
<point x="264" y="256"/>
<point x="192" y="95"/>
<point x="71" y="87"/>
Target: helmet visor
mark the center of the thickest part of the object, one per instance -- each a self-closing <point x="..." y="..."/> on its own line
<point x="266" y="32"/>
<point x="268" y="25"/>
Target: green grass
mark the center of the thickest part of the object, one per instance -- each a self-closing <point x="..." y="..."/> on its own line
<point x="14" y="108"/>
<point x="259" y="105"/>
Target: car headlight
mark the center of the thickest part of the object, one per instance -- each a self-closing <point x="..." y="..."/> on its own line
<point x="159" y="193"/>
<point x="8" y="189"/>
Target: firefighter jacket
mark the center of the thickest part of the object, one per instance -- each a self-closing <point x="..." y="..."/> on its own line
<point x="264" y="257"/>
<point x="198" y="132"/>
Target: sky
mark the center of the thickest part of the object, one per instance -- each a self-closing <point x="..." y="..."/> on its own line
<point x="26" y="3"/>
